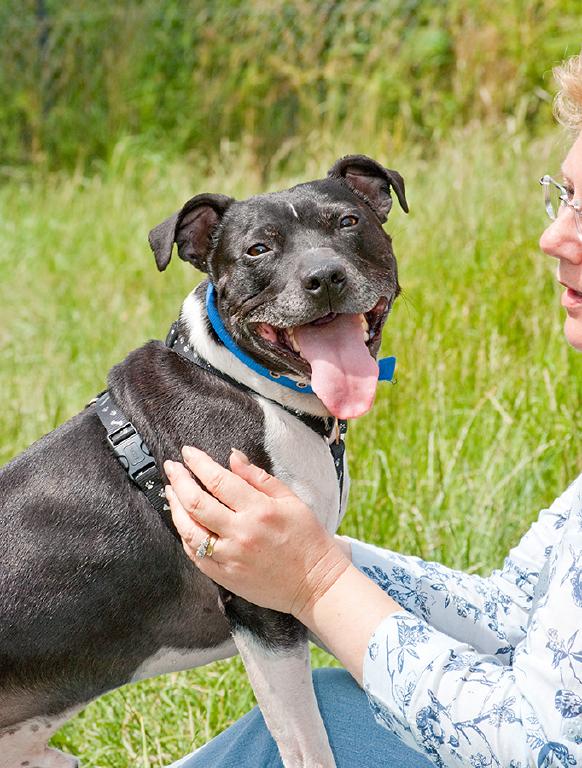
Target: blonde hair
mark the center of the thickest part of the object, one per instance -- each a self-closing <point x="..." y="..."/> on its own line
<point x="568" y="101"/>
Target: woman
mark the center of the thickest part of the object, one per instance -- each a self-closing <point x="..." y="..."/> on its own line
<point x="459" y="670"/>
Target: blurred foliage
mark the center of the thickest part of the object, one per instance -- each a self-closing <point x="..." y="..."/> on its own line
<point x="186" y="75"/>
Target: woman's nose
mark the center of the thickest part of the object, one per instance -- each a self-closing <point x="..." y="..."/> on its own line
<point x="561" y="239"/>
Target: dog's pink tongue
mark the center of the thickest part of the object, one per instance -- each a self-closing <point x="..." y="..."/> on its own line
<point x="343" y="373"/>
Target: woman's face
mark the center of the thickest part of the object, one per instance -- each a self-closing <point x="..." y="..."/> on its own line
<point x="561" y="240"/>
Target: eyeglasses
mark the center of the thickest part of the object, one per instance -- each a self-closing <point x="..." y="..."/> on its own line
<point x="557" y="197"/>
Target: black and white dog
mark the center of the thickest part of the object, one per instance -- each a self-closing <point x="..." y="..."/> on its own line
<point x="95" y="588"/>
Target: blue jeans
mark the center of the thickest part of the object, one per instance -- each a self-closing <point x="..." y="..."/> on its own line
<point x="356" y="739"/>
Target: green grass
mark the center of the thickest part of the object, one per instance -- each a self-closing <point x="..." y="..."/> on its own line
<point x="454" y="461"/>
<point x="187" y="74"/>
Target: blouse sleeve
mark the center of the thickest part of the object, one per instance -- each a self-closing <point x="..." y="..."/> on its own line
<point x="490" y="613"/>
<point x="462" y="706"/>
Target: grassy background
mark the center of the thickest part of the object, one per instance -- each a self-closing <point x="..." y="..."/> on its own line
<point x="454" y="461"/>
<point x="76" y="78"/>
<point x="114" y="113"/>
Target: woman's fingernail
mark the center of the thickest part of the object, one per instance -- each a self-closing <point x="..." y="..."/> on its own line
<point x="240" y="456"/>
<point x="188" y="452"/>
<point x="169" y="468"/>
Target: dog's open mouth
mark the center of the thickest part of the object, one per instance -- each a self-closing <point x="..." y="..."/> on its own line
<point x="338" y="352"/>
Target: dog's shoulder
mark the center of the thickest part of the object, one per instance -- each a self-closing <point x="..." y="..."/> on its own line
<point x="157" y="380"/>
<point x="174" y="402"/>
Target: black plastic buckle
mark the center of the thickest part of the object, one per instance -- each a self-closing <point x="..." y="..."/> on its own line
<point x="121" y="434"/>
<point x="132" y="453"/>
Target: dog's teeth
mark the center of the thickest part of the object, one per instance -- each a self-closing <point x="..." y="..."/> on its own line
<point x="364" y="322"/>
<point x="366" y="336"/>
<point x="294" y="344"/>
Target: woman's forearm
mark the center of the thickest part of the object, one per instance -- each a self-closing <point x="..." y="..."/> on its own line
<point x="345" y="616"/>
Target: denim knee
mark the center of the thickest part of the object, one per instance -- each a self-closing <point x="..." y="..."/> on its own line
<point x="356" y="739"/>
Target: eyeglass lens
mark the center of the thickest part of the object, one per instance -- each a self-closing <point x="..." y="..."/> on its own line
<point x="552" y="200"/>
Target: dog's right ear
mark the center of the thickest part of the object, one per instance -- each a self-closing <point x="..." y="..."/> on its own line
<point x="191" y="229"/>
<point x="370" y="180"/>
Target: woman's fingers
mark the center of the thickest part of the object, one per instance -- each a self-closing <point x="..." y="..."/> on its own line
<point x="257" y="477"/>
<point x="193" y="534"/>
<point x="272" y="545"/>
<point x="196" y="502"/>
<point x="225" y="486"/>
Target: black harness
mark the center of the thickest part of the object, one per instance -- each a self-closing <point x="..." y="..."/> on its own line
<point x="135" y="457"/>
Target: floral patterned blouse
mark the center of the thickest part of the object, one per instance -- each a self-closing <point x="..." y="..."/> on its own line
<point x="480" y="671"/>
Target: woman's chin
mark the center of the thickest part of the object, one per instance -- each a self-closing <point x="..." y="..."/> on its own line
<point x="573" y="332"/>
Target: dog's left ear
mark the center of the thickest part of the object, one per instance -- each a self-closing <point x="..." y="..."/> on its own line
<point x="191" y="228"/>
<point x="371" y="180"/>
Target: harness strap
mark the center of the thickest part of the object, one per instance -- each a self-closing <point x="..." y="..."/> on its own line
<point x="134" y="455"/>
<point x="338" y="449"/>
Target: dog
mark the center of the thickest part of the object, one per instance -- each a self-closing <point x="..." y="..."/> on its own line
<point x="96" y="590"/>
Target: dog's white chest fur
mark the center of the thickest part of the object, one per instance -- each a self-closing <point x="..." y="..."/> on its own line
<point x="299" y="456"/>
<point x="302" y="460"/>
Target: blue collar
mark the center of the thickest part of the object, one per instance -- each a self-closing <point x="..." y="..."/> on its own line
<point x="386" y="365"/>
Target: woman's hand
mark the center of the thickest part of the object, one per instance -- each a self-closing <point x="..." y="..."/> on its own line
<point x="270" y="548"/>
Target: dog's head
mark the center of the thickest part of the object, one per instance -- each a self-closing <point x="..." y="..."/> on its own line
<point x="304" y="278"/>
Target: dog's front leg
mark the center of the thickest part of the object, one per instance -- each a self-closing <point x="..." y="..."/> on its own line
<point x="281" y="679"/>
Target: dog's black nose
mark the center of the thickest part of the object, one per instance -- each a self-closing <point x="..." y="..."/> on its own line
<point x="328" y="278"/>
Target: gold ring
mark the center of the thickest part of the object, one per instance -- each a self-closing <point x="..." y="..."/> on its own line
<point x="206" y="547"/>
<point x="210" y="548"/>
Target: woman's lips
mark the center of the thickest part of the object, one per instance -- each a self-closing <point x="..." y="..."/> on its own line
<point x="571" y="299"/>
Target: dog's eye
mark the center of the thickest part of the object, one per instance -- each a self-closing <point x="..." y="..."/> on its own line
<point x="258" y="249"/>
<point x="348" y="221"/>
